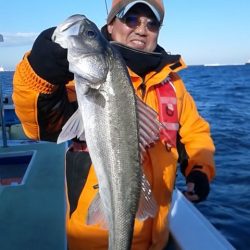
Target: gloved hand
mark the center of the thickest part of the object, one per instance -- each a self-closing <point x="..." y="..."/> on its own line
<point x="197" y="186"/>
<point x="49" y="60"/>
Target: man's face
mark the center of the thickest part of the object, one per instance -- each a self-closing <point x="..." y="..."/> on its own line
<point x="139" y="29"/>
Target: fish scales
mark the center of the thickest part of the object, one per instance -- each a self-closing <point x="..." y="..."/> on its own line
<point x="113" y="152"/>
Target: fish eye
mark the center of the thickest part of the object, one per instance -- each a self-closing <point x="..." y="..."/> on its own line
<point x="90" y="34"/>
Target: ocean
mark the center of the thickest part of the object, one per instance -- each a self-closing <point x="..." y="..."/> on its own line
<point x="222" y="97"/>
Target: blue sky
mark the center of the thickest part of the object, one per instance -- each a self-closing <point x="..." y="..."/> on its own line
<point x="203" y="32"/>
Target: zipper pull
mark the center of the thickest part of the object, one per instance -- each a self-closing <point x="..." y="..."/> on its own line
<point x="143" y="89"/>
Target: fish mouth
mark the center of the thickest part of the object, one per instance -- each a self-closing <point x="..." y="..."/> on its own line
<point x="70" y="27"/>
<point x="87" y="56"/>
<point x="74" y="20"/>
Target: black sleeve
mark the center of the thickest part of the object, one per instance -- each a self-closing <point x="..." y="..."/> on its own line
<point x="77" y="169"/>
<point x="53" y="112"/>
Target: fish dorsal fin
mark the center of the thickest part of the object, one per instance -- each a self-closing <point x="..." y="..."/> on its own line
<point x="72" y="128"/>
<point x="149" y="126"/>
<point x="147" y="204"/>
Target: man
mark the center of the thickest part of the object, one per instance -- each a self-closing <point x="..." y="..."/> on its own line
<point x="44" y="98"/>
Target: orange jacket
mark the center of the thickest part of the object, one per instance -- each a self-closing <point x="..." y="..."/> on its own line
<point x="159" y="165"/>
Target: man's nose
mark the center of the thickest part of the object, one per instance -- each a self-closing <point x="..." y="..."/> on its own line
<point x="141" y="28"/>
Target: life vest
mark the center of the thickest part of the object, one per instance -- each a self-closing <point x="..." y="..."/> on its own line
<point x="168" y="114"/>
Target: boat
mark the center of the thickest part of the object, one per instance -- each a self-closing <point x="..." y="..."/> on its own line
<point x="212" y="65"/>
<point x="10" y="126"/>
<point x="32" y="180"/>
<point x="190" y="230"/>
<point x="32" y="188"/>
<point x="1" y="40"/>
<point x="248" y="62"/>
<point x="32" y="196"/>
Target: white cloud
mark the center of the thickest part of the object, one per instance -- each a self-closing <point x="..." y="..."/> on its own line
<point x="18" y="39"/>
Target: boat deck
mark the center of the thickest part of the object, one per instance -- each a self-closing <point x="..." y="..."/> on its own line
<point x="32" y="215"/>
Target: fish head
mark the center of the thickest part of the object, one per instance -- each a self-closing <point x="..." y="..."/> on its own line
<point x="88" y="50"/>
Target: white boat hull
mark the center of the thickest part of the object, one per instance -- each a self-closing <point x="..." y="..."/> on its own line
<point x="191" y="230"/>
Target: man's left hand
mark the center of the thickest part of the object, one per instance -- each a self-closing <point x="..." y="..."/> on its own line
<point x="197" y="186"/>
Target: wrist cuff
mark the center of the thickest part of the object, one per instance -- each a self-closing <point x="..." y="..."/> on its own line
<point x="34" y="81"/>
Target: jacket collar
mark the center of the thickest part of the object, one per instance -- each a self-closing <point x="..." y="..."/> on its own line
<point x="152" y="62"/>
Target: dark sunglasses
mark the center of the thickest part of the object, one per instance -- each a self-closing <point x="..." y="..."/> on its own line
<point x="134" y="21"/>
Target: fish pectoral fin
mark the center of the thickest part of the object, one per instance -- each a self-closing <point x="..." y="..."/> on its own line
<point x="96" y="214"/>
<point x="72" y="128"/>
<point x="147" y="204"/>
<point x="149" y="126"/>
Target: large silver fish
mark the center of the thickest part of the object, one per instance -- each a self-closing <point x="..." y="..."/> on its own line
<point x="108" y="119"/>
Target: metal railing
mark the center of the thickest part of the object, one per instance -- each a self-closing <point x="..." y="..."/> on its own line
<point x="4" y="133"/>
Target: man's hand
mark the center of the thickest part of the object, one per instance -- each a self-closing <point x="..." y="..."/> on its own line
<point x="49" y="60"/>
<point x="197" y="186"/>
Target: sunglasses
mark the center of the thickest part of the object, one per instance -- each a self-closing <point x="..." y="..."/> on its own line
<point x="134" y="22"/>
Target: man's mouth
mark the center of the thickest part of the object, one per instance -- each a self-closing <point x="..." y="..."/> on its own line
<point x="138" y="43"/>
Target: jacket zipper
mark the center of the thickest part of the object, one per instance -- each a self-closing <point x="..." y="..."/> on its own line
<point x="143" y="89"/>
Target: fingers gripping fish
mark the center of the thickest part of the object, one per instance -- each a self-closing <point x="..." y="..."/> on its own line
<point x="108" y="119"/>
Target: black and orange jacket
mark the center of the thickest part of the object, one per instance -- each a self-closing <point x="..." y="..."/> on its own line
<point x="43" y="108"/>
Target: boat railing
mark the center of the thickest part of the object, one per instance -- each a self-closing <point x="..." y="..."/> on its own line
<point x="4" y="133"/>
<point x="3" y="125"/>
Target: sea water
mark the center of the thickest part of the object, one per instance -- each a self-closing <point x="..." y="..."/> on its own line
<point x="222" y="95"/>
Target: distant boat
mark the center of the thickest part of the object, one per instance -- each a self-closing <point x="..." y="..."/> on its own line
<point x="1" y="69"/>
<point x="248" y="62"/>
<point x="212" y="65"/>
